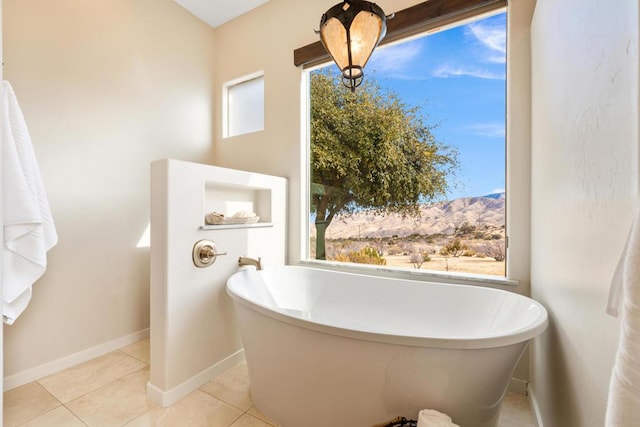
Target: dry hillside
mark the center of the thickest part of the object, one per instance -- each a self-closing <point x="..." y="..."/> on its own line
<point x="485" y="212"/>
<point x="478" y="223"/>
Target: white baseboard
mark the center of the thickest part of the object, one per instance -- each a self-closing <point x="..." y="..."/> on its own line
<point x="169" y="397"/>
<point x="534" y="405"/>
<point x="58" y="365"/>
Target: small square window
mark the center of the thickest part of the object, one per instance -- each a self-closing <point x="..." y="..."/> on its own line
<point x="243" y="105"/>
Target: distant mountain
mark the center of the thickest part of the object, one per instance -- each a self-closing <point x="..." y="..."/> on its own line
<point x="437" y="218"/>
<point x="495" y="196"/>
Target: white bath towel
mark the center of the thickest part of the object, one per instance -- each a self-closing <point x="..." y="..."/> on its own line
<point x="28" y="228"/>
<point x="623" y="406"/>
<point x="433" y="418"/>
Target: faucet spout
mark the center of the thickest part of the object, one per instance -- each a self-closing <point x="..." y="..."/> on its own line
<point x="244" y="260"/>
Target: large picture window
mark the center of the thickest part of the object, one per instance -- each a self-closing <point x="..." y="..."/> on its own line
<point x="408" y="171"/>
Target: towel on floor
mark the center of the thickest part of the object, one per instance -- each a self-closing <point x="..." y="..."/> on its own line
<point x="623" y="406"/>
<point x="433" y="418"/>
<point x="28" y="228"/>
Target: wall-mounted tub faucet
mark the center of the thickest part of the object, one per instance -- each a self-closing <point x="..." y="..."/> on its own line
<point x="243" y="260"/>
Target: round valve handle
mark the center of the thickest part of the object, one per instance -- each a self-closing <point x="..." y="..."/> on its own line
<point x="205" y="253"/>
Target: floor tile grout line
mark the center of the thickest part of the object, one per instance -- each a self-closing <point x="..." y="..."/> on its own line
<point x="244" y="412"/>
<point x="224" y="401"/>
<point x="76" y="416"/>
<point x="96" y="389"/>
<point x="60" y="403"/>
<point x="234" y="421"/>
<point x="63" y="404"/>
<point x="48" y="391"/>
<point x="137" y="358"/>
<point x="46" y="412"/>
<point x="38" y="415"/>
<point x="122" y="376"/>
<point x="258" y="418"/>
<point x="99" y="388"/>
<point x="120" y="350"/>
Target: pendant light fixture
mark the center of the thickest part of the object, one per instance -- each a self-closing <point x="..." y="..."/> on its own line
<point x="350" y="31"/>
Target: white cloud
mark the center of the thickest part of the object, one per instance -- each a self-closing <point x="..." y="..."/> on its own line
<point x="493" y="130"/>
<point x="492" y="36"/>
<point x="446" y="71"/>
<point x="396" y="60"/>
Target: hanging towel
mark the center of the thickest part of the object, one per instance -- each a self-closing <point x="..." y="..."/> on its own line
<point x="433" y="418"/>
<point x="623" y="406"/>
<point x="28" y="229"/>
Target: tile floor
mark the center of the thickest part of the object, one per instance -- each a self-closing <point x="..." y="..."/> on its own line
<point x="111" y="391"/>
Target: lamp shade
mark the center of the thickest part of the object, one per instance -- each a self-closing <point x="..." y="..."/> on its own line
<point x="350" y="31"/>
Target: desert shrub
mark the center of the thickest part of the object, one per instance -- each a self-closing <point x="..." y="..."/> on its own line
<point x="468" y="252"/>
<point x="395" y="250"/>
<point x="417" y="259"/>
<point x="494" y="250"/>
<point x="455" y="248"/>
<point x="366" y="255"/>
<point x="465" y="228"/>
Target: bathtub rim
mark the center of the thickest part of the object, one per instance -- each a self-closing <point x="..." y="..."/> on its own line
<point x="514" y="337"/>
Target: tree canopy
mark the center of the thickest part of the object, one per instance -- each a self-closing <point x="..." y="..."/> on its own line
<point x="369" y="150"/>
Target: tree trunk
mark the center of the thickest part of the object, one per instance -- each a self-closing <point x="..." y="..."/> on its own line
<point x="321" y="228"/>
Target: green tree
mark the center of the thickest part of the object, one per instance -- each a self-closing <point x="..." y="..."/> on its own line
<point x="369" y="150"/>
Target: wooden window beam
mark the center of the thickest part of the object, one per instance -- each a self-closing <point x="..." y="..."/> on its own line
<point x="423" y="17"/>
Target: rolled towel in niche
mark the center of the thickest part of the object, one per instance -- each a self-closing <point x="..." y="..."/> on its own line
<point x="240" y="217"/>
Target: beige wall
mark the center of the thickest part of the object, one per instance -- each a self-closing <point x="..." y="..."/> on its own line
<point x="264" y="39"/>
<point x="109" y="85"/>
<point x="106" y="86"/>
<point x="584" y="188"/>
<point x="269" y="36"/>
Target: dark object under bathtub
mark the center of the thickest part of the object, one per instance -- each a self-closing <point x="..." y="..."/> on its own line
<point x="399" y="422"/>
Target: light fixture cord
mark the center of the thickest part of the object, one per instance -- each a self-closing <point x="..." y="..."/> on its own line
<point x="351" y="82"/>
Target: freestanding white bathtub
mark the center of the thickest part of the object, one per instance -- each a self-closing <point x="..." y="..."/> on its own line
<point x="327" y="348"/>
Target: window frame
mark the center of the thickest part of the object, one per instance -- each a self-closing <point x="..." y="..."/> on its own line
<point x="516" y="164"/>
<point x="226" y="111"/>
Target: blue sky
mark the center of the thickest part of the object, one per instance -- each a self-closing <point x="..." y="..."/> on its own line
<point x="457" y="78"/>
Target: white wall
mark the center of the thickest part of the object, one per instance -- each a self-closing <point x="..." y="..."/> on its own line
<point x="518" y="156"/>
<point x="194" y="334"/>
<point x="584" y="188"/>
<point x="106" y="87"/>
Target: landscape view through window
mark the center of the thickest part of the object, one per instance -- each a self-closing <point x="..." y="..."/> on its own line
<point x="409" y="170"/>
